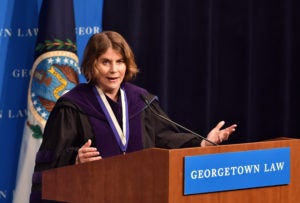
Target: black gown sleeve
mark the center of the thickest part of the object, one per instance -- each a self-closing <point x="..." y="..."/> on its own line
<point x="66" y="130"/>
<point x="162" y="134"/>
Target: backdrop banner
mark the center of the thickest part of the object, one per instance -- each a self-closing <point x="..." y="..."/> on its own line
<point x="54" y="72"/>
<point x="18" y="36"/>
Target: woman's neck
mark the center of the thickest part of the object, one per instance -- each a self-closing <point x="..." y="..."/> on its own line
<point x="113" y="96"/>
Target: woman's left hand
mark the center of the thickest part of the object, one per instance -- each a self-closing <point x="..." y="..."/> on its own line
<point x="218" y="135"/>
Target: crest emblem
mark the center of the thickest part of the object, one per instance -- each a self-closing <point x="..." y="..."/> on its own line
<point x="53" y="74"/>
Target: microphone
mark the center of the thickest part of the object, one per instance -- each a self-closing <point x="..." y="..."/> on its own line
<point x="176" y="124"/>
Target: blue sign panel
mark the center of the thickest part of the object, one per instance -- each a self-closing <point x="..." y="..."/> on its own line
<point x="236" y="170"/>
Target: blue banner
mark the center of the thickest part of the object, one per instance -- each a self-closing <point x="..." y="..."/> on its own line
<point x="18" y="35"/>
<point x="236" y="170"/>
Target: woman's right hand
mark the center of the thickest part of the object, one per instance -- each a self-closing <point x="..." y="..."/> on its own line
<point x="87" y="153"/>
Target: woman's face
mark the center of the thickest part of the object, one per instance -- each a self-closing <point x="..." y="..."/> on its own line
<point x="111" y="70"/>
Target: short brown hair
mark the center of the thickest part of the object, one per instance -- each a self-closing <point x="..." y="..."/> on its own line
<point x="98" y="45"/>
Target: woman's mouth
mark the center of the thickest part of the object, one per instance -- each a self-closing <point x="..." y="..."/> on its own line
<point x="112" y="78"/>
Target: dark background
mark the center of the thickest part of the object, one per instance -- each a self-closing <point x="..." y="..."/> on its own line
<point x="212" y="60"/>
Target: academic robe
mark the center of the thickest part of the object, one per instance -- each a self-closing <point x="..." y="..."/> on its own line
<point x="77" y="117"/>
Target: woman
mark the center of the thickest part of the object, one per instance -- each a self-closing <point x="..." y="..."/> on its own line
<point x="108" y="116"/>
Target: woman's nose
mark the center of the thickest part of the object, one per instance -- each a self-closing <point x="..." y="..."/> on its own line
<point x="113" y="67"/>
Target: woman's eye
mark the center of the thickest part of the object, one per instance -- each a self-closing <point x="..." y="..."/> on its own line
<point x="120" y="61"/>
<point x="105" y="62"/>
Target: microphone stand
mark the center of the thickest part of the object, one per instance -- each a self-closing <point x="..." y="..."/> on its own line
<point x="176" y="124"/>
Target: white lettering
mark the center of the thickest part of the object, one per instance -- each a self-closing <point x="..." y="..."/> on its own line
<point x="17" y="114"/>
<point x="5" y="32"/>
<point x="1" y="113"/>
<point x="226" y="171"/>
<point x="29" y="32"/>
<point x="206" y="173"/>
<point x="278" y="166"/>
<point x="21" y="73"/>
<point x="240" y="170"/>
<point x="3" y="194"/>
<point x="256" y="168"/>
<point x="193" y="174"/>
<point x="87" y="30"/>
<point x="200" y="173"/>
<point x="213" y="173"/>
<point x="220" y="172"/>
<point x="233" y="168"/>
<point x="249" y="168"/>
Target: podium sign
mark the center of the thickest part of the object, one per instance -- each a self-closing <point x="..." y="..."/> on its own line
<point x="236" y="170"/>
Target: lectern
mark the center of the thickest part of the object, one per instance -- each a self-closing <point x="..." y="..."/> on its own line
<point x="156" y="176"/>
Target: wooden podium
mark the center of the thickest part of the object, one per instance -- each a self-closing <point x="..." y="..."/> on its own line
<point x="156" y="176"/>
